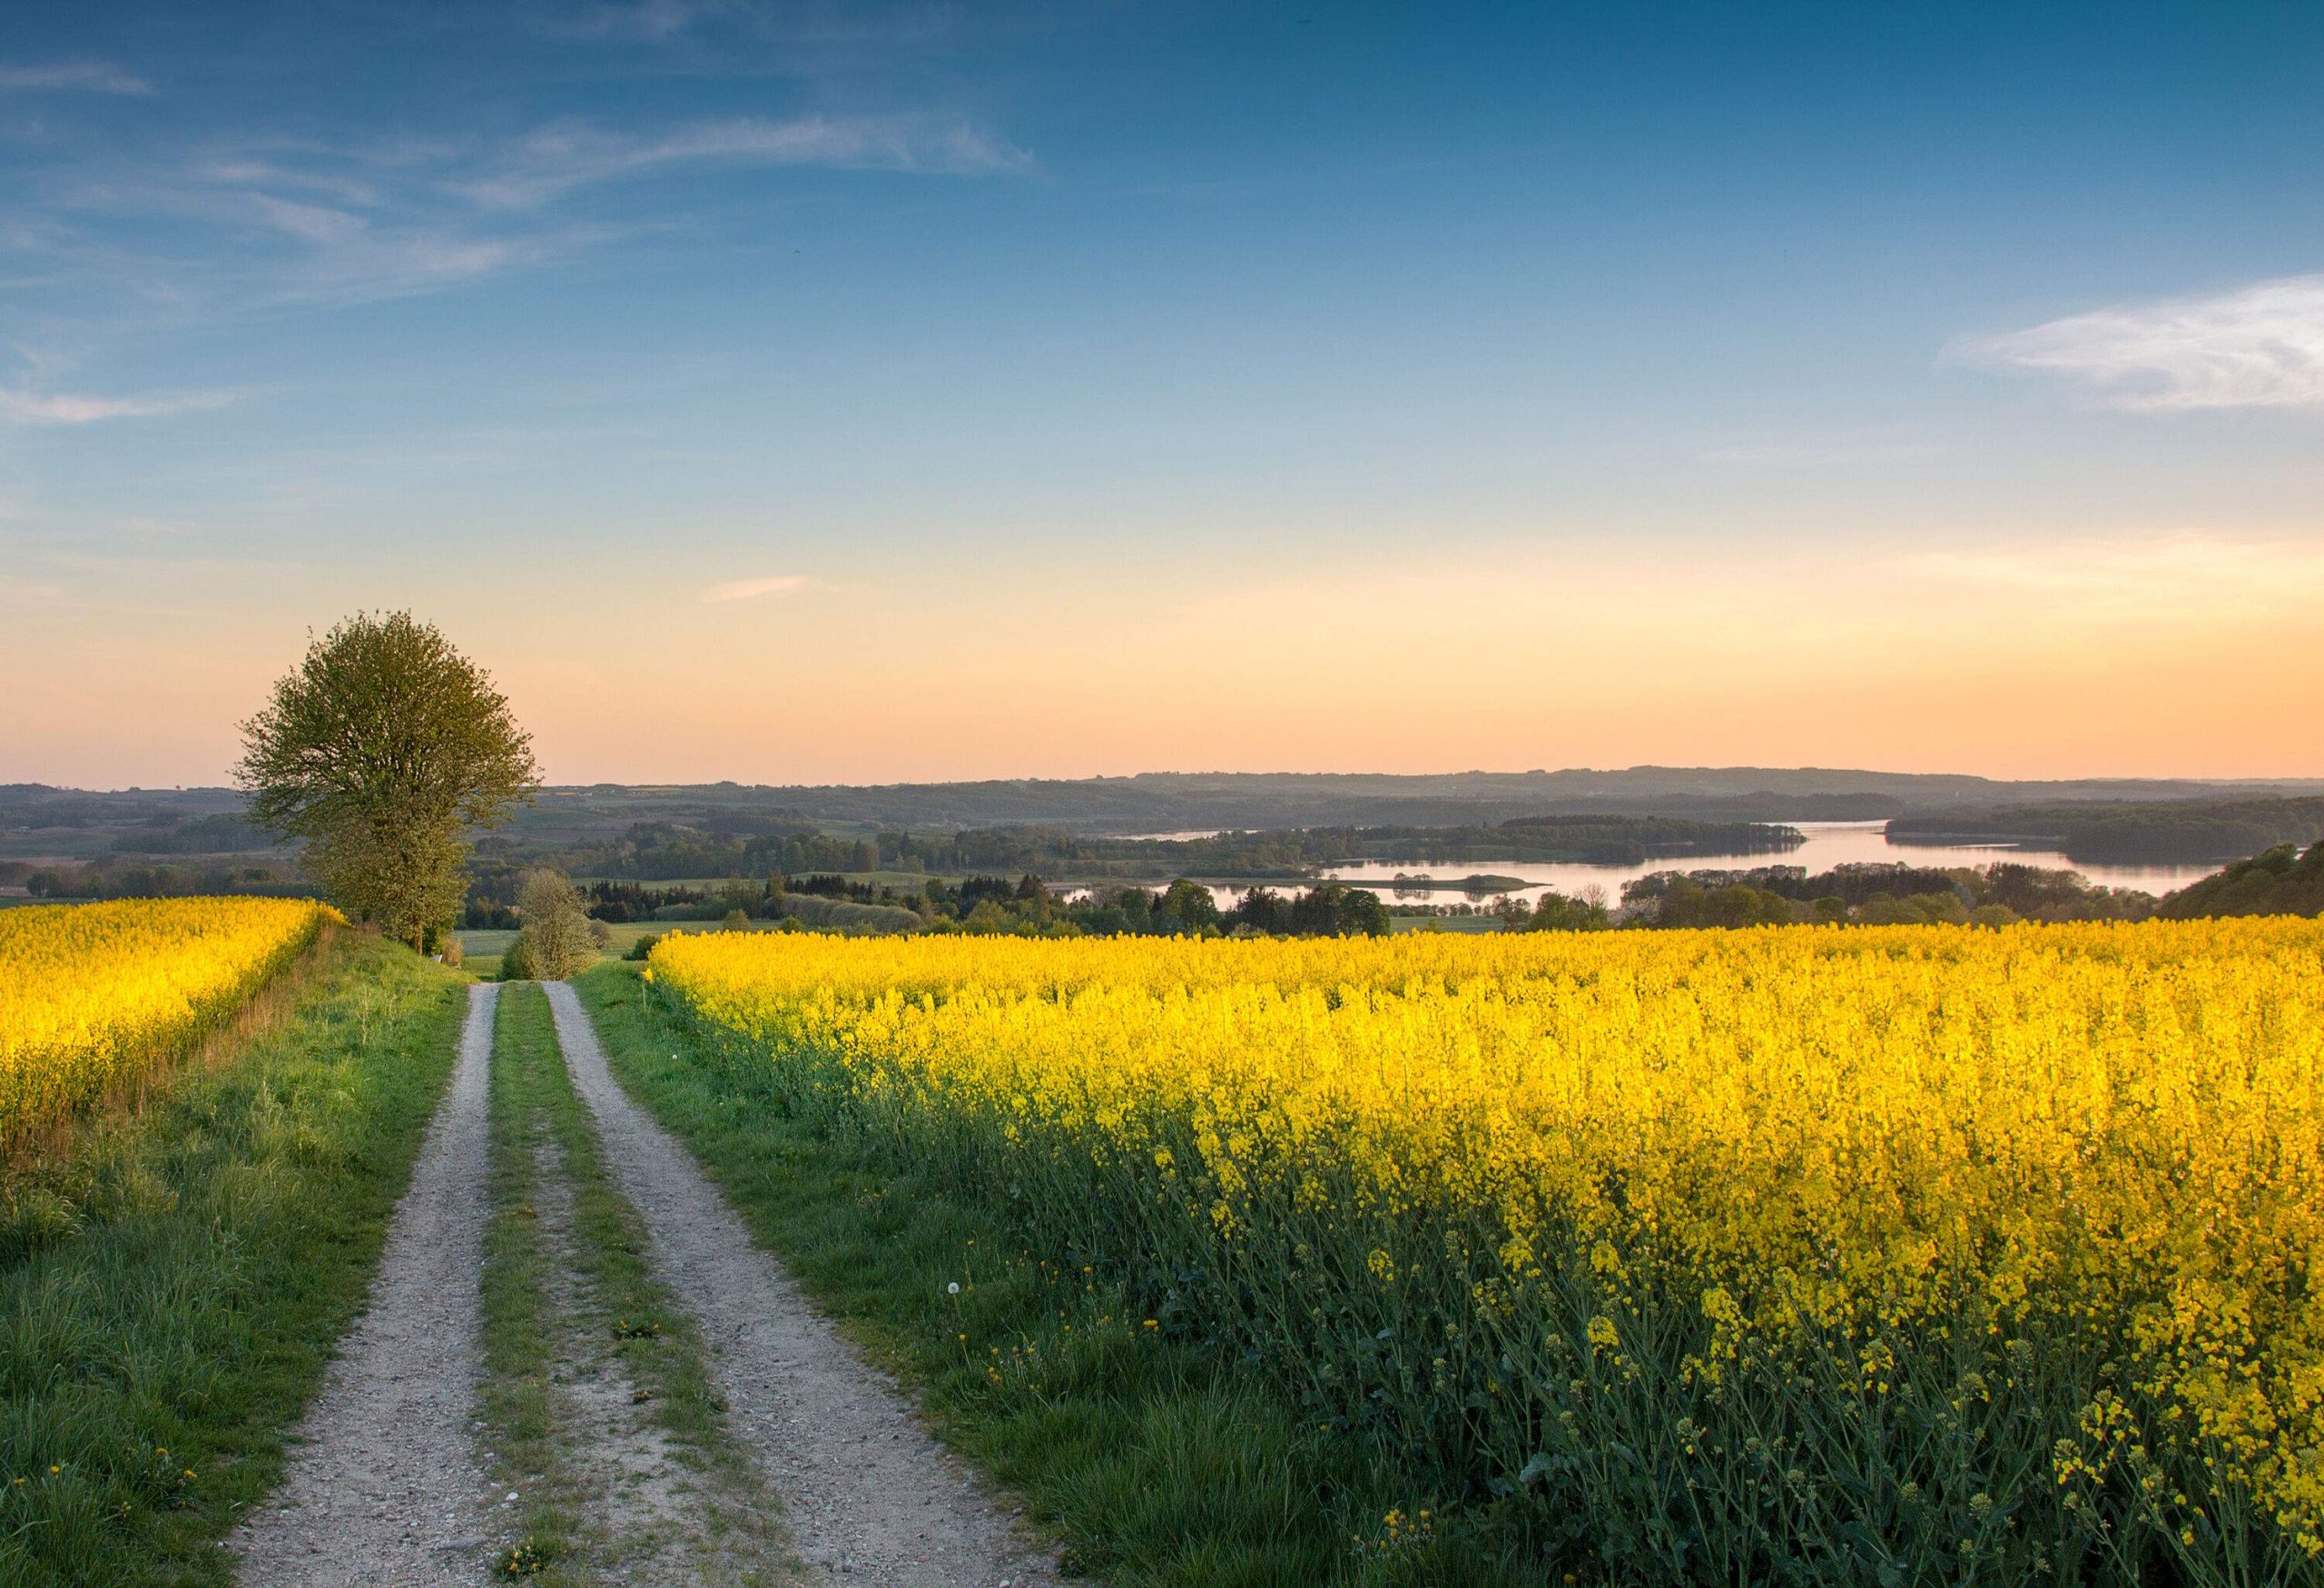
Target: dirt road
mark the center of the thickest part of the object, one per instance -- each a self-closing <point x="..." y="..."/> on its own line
<point x="385" y="1485"/>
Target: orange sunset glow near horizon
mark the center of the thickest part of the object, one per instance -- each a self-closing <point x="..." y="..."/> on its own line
<point x="2181" y="655"/>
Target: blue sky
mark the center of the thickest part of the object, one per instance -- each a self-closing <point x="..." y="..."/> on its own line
<point x="857" y="392"/>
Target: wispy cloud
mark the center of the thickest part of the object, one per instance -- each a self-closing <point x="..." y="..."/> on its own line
<point x="1815" y="454"/>
<point x="70" y="77"/>
<point x="297" y="222"/>
<point x="2260" y="346"/>
<point x="556" y="160"/>
<point x="236" y="171"/>
<point x="651" y="20"/>
<point x="27" y="408"/>
<point x="789" y="22"/>
<point x="750" y="589"/>
<point x="360" y="248"/>
<point x="360" y="264"/>
<point x="314" y="222"/>
<point x="2193" y="573"/>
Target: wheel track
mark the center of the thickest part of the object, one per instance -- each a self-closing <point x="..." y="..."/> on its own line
<point x="383" y="1487"/>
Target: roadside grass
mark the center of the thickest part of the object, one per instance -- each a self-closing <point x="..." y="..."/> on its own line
<point x="1159" y="1464"/>
<point x="538" y="1118"/>
<point x="172" y="1281"/>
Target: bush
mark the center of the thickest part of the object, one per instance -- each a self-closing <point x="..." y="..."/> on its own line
<point x="556" y="940"/>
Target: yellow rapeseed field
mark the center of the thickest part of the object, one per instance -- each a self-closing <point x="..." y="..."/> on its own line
<point x="1993" y="1247"/>
<point x="90" y="991"/>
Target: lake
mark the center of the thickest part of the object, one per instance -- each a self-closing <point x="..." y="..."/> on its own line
<point x="1829" y="844"/>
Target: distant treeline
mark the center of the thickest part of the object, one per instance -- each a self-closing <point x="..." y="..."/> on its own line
<point x="2278" y="881"/>
<point x="218" y="835"/>
<point x="2158" y="832"/>
<point x="1027" y="907"/>
<point x="120" y="877"/>
<point x="666" y="851"/>
<point x="661" y="851"/>
<point x="1875" y="894"/>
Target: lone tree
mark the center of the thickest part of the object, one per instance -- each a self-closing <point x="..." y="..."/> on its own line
<point x="381" y="750"/>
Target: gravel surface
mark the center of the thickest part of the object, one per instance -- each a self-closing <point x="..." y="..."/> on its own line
<point x="870" y="1495"/>
<point x="383" y="1486"/>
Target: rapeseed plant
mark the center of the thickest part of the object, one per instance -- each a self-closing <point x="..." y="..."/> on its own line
<point x="91" y="993"/>
<point x="1984" y="1252"/>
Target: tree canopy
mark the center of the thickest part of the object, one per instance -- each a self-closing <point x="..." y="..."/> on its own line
<point x="2280" y="882"/>
<point x="380" y="750"/>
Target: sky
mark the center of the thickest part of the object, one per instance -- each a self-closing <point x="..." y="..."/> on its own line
<point x="800" y="393"/>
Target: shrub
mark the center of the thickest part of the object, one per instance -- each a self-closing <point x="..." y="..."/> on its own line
<point x="556" y="940"/>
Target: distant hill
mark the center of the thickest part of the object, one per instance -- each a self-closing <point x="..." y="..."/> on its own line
<point x="1208" y="801"/>
<point x="37" y="819"/>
